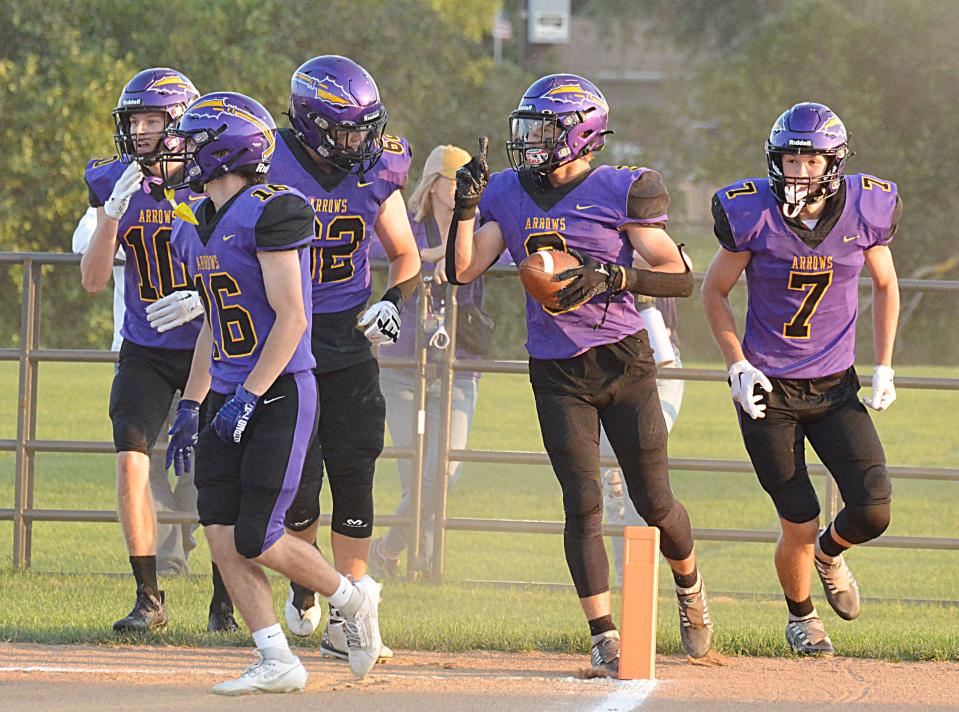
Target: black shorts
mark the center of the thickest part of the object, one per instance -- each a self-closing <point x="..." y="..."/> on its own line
<point x="250" y="485"/>
<point x="827" y="412"/>
<point x="142" y="392"/>
<point x="350" y="439"/>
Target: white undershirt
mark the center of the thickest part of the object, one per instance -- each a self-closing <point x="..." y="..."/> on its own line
<point x="811" y="224"/>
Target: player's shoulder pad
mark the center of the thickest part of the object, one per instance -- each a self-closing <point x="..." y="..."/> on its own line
<point x="101" y="174"/>
<point x="737" y="209"/>
<point x="876" y="198"/>
<point x="394" y="164"/>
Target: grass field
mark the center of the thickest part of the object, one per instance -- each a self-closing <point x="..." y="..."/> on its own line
<point x="59" y="600"/>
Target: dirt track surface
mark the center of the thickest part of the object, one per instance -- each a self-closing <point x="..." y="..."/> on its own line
<point x="36" y="677"/>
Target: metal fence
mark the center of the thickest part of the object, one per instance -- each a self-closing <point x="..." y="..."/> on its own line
<point x="26" y="446"/>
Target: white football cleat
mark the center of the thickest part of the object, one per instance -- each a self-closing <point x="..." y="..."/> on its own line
<point x="362" y="628"/>
<point x="302" y="621"/>
<point x="333" y="644"/>
<point x="266" y="675"/>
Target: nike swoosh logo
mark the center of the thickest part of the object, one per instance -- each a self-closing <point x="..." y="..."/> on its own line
<point x="229" y="237"/>
<point x="271" y="400"/>
<point x="850" y="239"/>
<point x="194" y="198"/>
<point x="363" y="185"/>
<point x="584" y="207"/>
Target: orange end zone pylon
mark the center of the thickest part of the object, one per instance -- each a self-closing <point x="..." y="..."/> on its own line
<point x="640" y="586"/>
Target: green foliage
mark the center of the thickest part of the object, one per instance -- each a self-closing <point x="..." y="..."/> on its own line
<point x="63" y="70"/>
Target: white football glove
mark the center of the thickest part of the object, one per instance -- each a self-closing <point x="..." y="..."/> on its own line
<point x="743" y="378"/>
<point x="883" y="389"/>
<point x="174" y="310"/>
<point x="381" y="323"/>
<point x="128" y="184"/>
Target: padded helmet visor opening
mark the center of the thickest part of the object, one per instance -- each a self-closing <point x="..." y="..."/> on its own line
<point x="799" y="190"/>
<point x="532" y="140"/>
<point x="142" y="147"/>
<point x="179" y="166"/>
<point x="350" y="147"/>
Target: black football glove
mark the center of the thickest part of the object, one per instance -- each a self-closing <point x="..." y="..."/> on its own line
<point x="471" y="181"/>
<point x="589" y="280"/>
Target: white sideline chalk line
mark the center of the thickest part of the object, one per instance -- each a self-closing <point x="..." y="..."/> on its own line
<point x="630" y="696"/>
<point x="111" y="670"/>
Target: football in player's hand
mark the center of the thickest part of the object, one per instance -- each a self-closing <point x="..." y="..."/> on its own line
<point x="536" y="273"/>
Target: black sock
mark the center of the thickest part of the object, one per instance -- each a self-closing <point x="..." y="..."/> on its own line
<point x="800" y="609"/>
<point x="686" y="580"/>
<point x="828" y="545"/>
<point x="601" y="625"/>
<point x="145" y="572"/>
<point x="220" y="594"/>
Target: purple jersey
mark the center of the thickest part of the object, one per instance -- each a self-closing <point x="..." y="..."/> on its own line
<point x="589" y="219"/>
<point x="221" y="258"/>
<point x="346" y="209"/>
<point x="152" y="270"/>
<point x="803" y="301"/>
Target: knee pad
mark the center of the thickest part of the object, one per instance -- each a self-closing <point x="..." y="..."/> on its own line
<point x="654" y="508"/>
<point x="586" y="525"/>
<point x="859" y="524"/>
<point x="247" y="539"/>
<point x="130" y="436"/>
<point x="582" y="497"/>
<point x="795" y="500"/>
<point x="305" y="509"/>
<point x="352" y="492"/>
<point x="675" y="530"/>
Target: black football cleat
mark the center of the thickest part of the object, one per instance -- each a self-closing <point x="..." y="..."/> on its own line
<point x="221" y="618"/>
<point x="148" y="614"/>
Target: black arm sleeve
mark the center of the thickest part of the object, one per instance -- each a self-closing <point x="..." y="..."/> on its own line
<point x="286" y="223"/>
<point x="658" y="284"/>
<point x="721" y="228"/>
<point x="451" y="250"/>
<point x="648" y="199"/>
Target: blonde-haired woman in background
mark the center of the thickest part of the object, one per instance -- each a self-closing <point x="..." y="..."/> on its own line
<point x="431" y="211"/>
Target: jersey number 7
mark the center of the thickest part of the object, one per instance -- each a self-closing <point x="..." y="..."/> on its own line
<point x="817" y="283"/>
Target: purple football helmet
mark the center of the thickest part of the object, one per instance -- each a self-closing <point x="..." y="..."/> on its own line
<point x="218" y="134"/>
<point x="806" y="129"/>
<point x="335" y="109"/>
<point x="159" y="89"/>
<point x="560" y="118"/>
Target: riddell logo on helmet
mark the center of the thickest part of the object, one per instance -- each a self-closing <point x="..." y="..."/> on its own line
<point x="527" y="107"/>
<point x="132" y="102"/>
<point x="800" y="142"/>
<point x="370" y="117"/>
<point x="536" y="156"/>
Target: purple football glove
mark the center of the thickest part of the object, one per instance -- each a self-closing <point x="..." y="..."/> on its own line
<point x="179" y="452"/>
<point x="232" y="419"/>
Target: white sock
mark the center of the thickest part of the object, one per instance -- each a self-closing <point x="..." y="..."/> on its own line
<point x="694" y="588"/>
<point x="272" y="638"/>
<point x="608" y="634"/>
<point x="814" y="614"/>
<point x="341" y="597"/>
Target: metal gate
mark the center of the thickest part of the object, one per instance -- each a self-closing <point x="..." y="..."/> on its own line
<point x="26" y="446"/>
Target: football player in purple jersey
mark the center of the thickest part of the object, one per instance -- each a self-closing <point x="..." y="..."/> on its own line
<point x="590" y="362"/>
<point x="132" y="212"/>
<point x="337" y="155"/>
<point x="248" y="258"/>
<point x="802" y="234"/>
